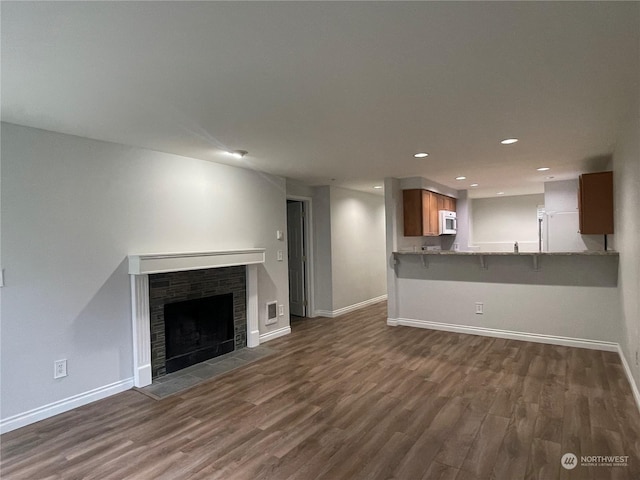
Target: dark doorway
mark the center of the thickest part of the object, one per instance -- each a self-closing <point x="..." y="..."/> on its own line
<point x="297" y="258"/>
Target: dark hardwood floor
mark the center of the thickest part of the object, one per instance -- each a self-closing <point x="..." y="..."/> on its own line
<point x="351" y="398"/>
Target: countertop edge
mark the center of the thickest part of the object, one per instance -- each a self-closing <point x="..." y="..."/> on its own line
<point x="529" y="254"/>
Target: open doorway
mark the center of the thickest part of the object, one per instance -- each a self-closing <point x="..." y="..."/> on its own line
<point x="298" y="226"/>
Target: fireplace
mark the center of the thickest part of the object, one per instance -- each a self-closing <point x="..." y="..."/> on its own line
<point x="150" y="292"/>
<point x="197" y="330"/>
<point x="196" y="315"/>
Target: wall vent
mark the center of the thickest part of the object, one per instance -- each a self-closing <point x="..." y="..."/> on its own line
<point x="272" y="313"/>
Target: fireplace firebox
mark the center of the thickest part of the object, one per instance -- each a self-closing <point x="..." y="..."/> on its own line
<point x="197" y="330"/>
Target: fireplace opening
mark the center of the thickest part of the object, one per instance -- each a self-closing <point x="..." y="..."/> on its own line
<point x="197" y="330"/>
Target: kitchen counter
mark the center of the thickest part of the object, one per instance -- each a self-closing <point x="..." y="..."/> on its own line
<point x="455" y="252"/>
<point x="481" y="255"/>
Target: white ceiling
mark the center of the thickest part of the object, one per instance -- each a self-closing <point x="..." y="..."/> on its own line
<point x="317" y="91"/>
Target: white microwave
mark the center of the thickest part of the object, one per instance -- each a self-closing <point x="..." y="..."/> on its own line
<point x="447" y="222"/>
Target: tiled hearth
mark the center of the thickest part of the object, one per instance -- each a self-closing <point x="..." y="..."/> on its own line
<point x="177" y="382"/>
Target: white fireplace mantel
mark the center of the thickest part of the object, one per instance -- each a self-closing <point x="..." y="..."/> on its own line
<point x="141" y="266"/>
<point x="177" y="262"/>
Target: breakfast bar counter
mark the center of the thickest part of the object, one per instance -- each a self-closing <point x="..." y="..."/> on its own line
<point x="425" y="254"/>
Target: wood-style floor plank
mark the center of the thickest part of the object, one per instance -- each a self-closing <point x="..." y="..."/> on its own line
<point x="352" y="398"/>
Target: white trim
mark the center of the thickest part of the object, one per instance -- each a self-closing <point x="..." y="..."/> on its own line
<point x="179" y="262"/>
<point x="524" y="336"/>
<point x="350" y="308"/>
<point x="392" y="322"/>
<point x="61" y="406"/>
<point x="280" y="332"/>
<point x="141" y="330"/>
<point x="308" y="240"/>
<point x="632" y="381"/>
<point x="253" y="331"/>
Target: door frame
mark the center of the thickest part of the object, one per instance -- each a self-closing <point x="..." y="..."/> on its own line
<point x="308" y="244"/>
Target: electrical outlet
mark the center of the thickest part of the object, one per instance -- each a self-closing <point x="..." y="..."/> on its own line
<point x="479" y="308"/>
<point x="60" y="368"/>
<point x="637" y="359"/>
<point x="281" y="310"/>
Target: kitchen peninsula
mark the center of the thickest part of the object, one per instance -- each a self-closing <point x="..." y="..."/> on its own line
<point x="567" y="298"/>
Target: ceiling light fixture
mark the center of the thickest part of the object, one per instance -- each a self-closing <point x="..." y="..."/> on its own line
<point x="461" y="178"/>
<point x="500" y="193"/>
<point x="543" y="169"/>
<point x="421" y="155"/>
<point x="473" y="185"/>
<point x="377" y="187"/>
<point x="238" y="153"/>
<point x="508" y="141"/>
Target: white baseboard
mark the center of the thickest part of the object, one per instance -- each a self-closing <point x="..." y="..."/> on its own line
<point x="61" y="406"/>
<point x="280" y="332"/>
<point x="632" y="381"/>
<point x="512" y="335"/>
<point x="350" y="308"/>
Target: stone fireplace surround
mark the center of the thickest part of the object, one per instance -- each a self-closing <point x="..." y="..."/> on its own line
<point x="141" y="266"/>
<point x="172" y="287"/>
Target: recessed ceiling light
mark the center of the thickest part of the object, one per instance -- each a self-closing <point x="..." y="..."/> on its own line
<point x="473" y="185"/>
<point x="421" y="155"/>
<point x="377" y="187"/>
<point x="461" y="178"/>
<point x="508" y="141"/>
<point x="543" y="169"/>
<point x="500" y="193"/>
<point x="550" y="177"/>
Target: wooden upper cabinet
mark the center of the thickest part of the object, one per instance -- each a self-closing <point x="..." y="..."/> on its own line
<point x="417" y="213"/>
<point x="420" y="211"/>
<point x="449" y="203"/>
<point x="595" y="203"/>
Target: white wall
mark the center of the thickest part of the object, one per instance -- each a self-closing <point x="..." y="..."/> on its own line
<point x="568" y="297"/>
<point x="562" y="223"/>
<point x="72" y="210"/>
<point x="497" y="223"/>
<point x="463" y="217"/>
<point x="357" y="246"/>
<point x="349" y="249"/>
<point x="322" y="249"/>
<point x="626" y="164"/>
<point x="298" y="189"/>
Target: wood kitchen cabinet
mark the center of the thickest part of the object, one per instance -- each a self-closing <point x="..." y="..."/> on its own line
<point x="420" y="211"/>
<point x="446" y="203"/>
<point x="595" y="203"/>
